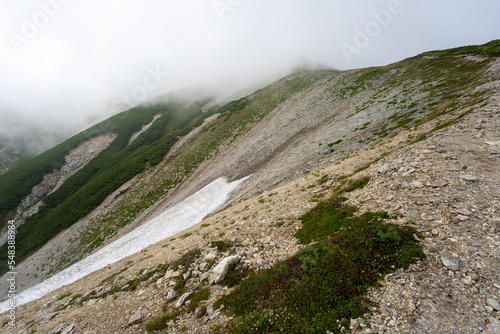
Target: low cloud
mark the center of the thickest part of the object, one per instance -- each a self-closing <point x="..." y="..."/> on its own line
<point x="65" y="62"/>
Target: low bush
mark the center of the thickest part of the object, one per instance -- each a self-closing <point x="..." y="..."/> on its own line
<point x="323" y="285"/>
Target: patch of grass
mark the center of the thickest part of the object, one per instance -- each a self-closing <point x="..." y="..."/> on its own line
<point x="205" y="225"/>
<point x="64" y="296"/>
<point x="356" y="184"/>
<point x="222" y="245"/>
<point x="335" y="143"/>
<point x="323" y="179"/>
<point x="188" y="258"/>
<point x="235" y="274"/>
<point x="197" y="297"/>
<point x="160" y="323"/>
<point x="323" y="286"/>
<point x="184" y="236"/>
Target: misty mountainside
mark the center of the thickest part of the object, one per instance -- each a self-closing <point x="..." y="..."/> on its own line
<point x="153" y="156"/>
<point x="21" y="139"/>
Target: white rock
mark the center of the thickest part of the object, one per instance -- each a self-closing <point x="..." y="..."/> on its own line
<point x="171" y="294"/>
<point x="218" y="273"/>
<point x="136" y="318"/>
<point x="182" y="299"/>
<point x="450" y="261"/>
<point x="171" y="274"/>
<point x="469" y="177"/>
<point x="59" y="329"/>
<point x="417" y="184"/>
<point x="203" y="266"/>
<point x="493" y="303"/>
<point x="210" y="256"/>
<point x="494" y="325"/>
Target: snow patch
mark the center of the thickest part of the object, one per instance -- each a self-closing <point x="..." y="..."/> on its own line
<point x="181" y="216"/>
<point x="144" y="128"/>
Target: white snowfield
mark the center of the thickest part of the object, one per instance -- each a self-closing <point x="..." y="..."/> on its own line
<point x="181" y="216"/>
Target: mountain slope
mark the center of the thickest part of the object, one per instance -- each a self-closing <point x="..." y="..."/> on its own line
<point x="280" y="133"/>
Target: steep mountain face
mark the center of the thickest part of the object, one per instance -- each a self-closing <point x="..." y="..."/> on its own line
<point x="287" y="136"/>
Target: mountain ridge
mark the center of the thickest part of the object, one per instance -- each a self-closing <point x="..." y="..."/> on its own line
<point x="316" y="119"/>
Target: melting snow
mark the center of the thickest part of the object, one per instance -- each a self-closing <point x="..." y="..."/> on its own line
<point x="181" y="216"/>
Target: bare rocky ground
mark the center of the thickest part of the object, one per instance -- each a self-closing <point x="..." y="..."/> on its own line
<point x="448" y="186"/>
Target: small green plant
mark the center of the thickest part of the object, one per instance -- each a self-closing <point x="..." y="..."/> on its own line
<point x="335" y="143"/>
<point x="309" y="256"/>
<point x="357" y="184"/>
<point x="186" y="235"/>
<point x="160" y="323"/>
<point x="205" y="225"/>
<point x="222" y="245"/>
<point x="64" y="296"/>
<point x="235" y="274"/>
<point x="323" y="179"/>
<point x="283" y="270"/>
<point x="390" y="235"/>
<point x="197" y="297"/>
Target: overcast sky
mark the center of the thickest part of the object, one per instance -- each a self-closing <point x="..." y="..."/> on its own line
<point x="72" y="59"/>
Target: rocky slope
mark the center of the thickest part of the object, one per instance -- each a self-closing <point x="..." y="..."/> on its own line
<point x="447" y="185"/>
<point x="438" y="171"/>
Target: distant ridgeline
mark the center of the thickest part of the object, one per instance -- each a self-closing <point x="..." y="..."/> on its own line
<point x="88" y="187"/>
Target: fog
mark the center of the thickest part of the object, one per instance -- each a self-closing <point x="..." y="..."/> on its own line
<point x="63" y="63"/>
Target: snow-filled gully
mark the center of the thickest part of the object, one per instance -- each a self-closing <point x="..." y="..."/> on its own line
<point x="181" y="216"/>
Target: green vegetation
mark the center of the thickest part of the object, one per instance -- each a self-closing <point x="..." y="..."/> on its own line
<point x="352" y="185"/>
<point x="160" y="323"/>
<point x="87" y="188"/>
<point x="64" y="296"/>
<point x="323" y="179"/>
<point x="323" y="286"/>
<point x="335" y="143"/>
<point x="222" y="245"/>
<point x="197" y="297"/>
<point x="491" y="49"/>
<point x="235" y="274"/>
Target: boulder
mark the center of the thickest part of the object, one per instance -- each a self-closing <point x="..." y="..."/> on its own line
<point x="136" y="318"/>
<point x="450" y="261"/>
<point x="182" y="299"/>
<point x="171" y="294"/>
<point x="219" y="272"/>
<point x="469" y="178"/>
